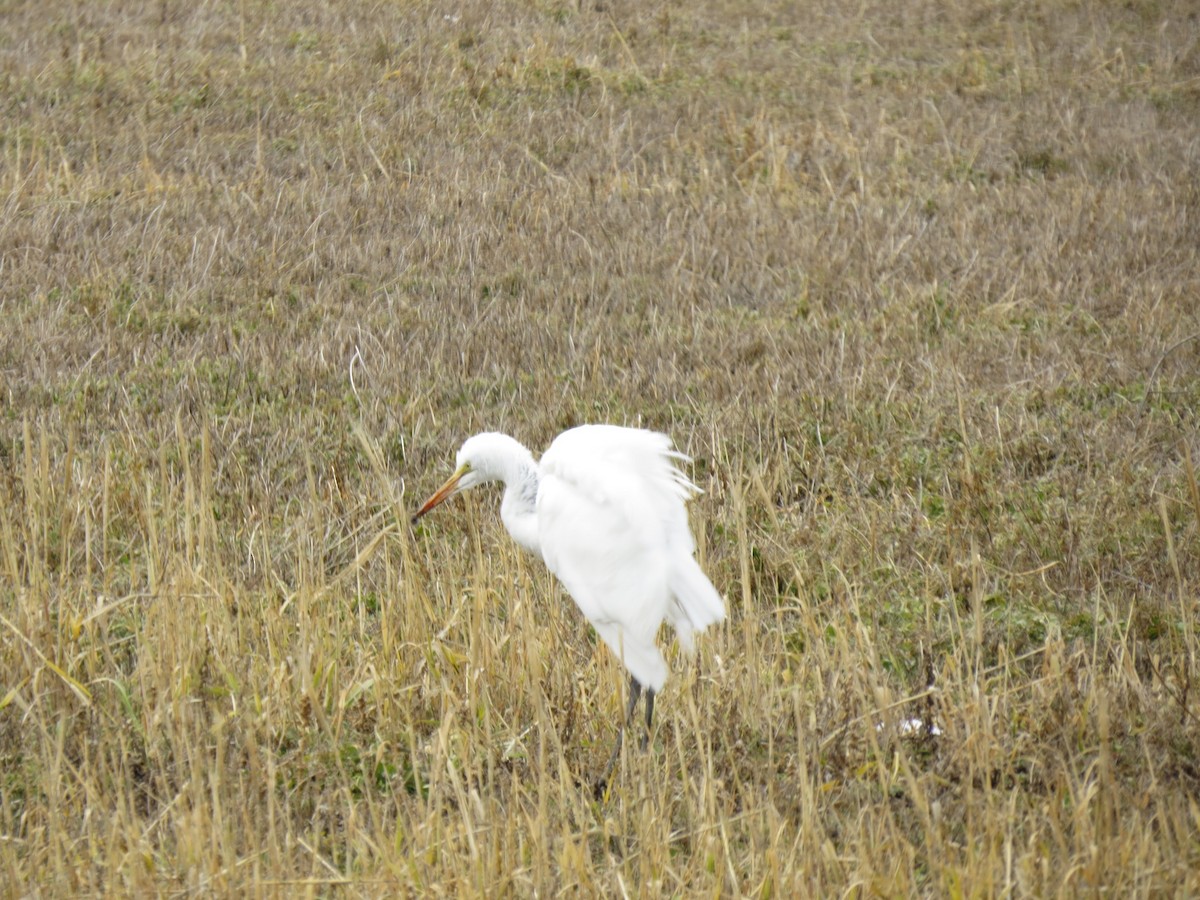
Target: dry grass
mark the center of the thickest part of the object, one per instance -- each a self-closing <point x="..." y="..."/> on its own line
<point x="915" y="282"/>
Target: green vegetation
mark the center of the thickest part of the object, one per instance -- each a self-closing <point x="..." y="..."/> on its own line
<point x="914" y="282"/>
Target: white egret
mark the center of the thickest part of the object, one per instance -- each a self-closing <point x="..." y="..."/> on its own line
<point x="605" y="510"/>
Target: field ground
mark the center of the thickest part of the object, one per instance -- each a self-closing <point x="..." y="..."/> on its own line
<point x="915" y="283"/>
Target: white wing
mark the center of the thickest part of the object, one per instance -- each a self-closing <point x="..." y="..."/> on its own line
<point x="613" y="528"/>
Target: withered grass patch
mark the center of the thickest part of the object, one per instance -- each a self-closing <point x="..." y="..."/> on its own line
<point x="916" y="284"/>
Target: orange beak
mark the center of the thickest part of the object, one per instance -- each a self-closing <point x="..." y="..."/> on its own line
<point x="443" y="493"/>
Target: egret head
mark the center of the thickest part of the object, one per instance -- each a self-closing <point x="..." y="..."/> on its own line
<point x="482" y="458"/>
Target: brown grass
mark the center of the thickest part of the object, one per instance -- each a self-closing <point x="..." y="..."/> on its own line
<point x="915" y="282"/>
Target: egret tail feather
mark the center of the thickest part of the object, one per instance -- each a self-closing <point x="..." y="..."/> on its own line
<point x="696" y="602"/>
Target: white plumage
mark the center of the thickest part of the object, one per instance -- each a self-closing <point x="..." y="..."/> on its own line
<point x="606" y="511"/>
<point x="614" y="529"/>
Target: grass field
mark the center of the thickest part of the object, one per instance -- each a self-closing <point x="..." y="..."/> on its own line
<point x="916" y="283"/>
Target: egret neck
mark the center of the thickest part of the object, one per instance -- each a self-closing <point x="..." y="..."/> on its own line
<point x="518" y="509"/>
<point x="498" y="457"/>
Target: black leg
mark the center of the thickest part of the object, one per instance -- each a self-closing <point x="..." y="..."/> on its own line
<point x="635" y="691"/>
<point x="649" y="716"/>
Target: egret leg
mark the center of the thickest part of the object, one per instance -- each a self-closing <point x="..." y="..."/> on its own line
<point x="649" y="716"/>
<point x="635" y="691"/>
